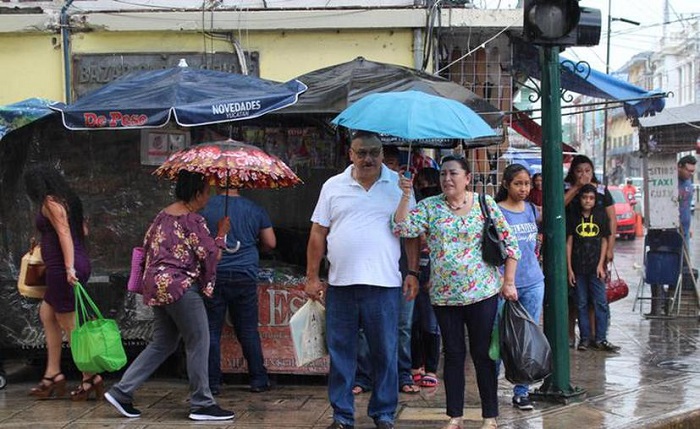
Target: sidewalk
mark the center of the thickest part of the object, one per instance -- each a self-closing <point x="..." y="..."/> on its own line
<point x="652" y="383"/>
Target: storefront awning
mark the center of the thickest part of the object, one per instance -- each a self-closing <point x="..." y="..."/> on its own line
<point x="582" y="79"/>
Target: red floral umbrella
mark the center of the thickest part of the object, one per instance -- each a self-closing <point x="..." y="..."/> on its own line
<point x="231" y="164"/>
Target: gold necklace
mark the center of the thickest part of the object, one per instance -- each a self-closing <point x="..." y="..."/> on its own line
<point x="188" y="207"/>
<point x="459" y="207"/>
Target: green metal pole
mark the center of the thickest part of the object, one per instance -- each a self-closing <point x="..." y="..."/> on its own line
<point x="556" y="312"/>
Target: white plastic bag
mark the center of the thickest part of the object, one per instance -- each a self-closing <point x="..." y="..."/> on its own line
<point x="308" y="328"/>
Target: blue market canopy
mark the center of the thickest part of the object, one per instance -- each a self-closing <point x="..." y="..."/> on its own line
<point x="581" y="79"/>
<point x="193" y="97"/>
<point x="16" y="115"/>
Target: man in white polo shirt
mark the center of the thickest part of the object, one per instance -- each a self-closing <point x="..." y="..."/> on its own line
<point x="352" y="223"/>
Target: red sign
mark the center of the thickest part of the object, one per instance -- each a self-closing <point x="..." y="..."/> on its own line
<point x="276" y="305"/>
<point x="115" y="120"/>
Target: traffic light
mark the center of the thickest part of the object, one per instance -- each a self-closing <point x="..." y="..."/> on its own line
<point x="560" y="23"/>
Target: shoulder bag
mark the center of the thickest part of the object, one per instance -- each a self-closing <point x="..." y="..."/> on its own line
<point x="493" y="250"/>
<point x="31" y="282"/>
<point x="138" y="259"/>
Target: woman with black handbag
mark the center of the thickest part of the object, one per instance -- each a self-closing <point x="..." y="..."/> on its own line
<point x="464" y="287"/>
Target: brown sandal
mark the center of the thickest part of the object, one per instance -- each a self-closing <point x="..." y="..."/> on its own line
<point x="93" y="385"/>
<point x="49" y="387"/>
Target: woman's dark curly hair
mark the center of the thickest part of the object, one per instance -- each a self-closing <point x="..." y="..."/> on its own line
<point x="42" y="181"/>
<point x="188" y="185"/>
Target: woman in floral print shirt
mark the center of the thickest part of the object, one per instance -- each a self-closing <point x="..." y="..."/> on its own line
<point x="180" y="268"/>
<point x="463" y="288"/>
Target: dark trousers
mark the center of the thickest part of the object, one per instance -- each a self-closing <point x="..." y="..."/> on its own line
<point x="238" y="294"/>
<point x="478" y="318"/>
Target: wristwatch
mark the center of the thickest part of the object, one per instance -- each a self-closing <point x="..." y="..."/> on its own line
<point x="413" y="273"/>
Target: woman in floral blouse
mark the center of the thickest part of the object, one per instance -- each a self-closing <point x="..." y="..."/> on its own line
<point x="463" y="288"/>
<point x="180" y="267"/>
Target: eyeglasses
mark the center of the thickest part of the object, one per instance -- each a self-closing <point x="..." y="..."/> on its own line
<point x="362" y="153"/>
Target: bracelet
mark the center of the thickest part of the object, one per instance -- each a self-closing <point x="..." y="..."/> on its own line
<point x="406" y="196"/>
<point x="413" y="273"/>
<point x="70" y="270"/>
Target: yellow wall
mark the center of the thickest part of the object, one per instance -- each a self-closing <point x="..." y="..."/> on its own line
<point x="32" y="67"/>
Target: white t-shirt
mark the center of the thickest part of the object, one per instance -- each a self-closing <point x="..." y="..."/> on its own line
<point x="361" y="246"/>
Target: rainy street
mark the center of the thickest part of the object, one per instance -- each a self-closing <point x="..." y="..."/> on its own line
<point x="659" y="360"/>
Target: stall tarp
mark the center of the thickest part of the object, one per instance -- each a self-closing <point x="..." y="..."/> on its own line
<point x="332" y="89"/>
<point x="17" y="115"/>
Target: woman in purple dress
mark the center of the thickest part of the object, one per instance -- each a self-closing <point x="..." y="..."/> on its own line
<point x="59" y="219"/>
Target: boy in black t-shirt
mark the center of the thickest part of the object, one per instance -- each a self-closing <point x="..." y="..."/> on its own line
<point x="587" y="232"/>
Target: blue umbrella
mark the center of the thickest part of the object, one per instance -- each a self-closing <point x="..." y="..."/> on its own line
<point x="16" y="115"/>
<point x="193" y="97"/>
<point x="414" y="115"/>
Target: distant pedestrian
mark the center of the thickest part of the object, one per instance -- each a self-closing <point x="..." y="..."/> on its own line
<point x="523" y="218"/>
<point x="686" y="171"/>
<point x="587" y="237"/>
<point x="535" y="196"/>
<point x="629" y="191"/>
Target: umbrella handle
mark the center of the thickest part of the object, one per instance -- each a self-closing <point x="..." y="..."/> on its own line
<point x="231" y="249"/>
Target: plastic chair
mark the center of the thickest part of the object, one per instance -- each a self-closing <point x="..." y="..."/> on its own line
<point x="663" y="261"/>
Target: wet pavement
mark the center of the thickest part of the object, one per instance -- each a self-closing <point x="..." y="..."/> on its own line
<point x="653" y="382"/>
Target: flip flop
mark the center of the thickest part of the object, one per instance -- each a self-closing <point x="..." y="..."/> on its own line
<point x="358" y="390"/>
<point x="428" y="381"/>
<point x="410" y="389"/>
<point x="417" y="377"/>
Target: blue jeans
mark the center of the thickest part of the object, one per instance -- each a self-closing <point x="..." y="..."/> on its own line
<point x="372" y="309"/>
<point x="531" y="298"/>
<point x="363" y="376"/>
<point x="239" y="294"/>
<point x="591" y="290"/>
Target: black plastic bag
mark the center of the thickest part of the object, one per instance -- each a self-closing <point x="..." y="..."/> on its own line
<point x="525" y="351"/>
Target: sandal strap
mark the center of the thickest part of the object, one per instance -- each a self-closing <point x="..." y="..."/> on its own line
<point x="52" y="379"/>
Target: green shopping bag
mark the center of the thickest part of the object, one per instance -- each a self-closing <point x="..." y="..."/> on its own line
<point x="96" y="344"/>
<point x="495" y="344"/>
